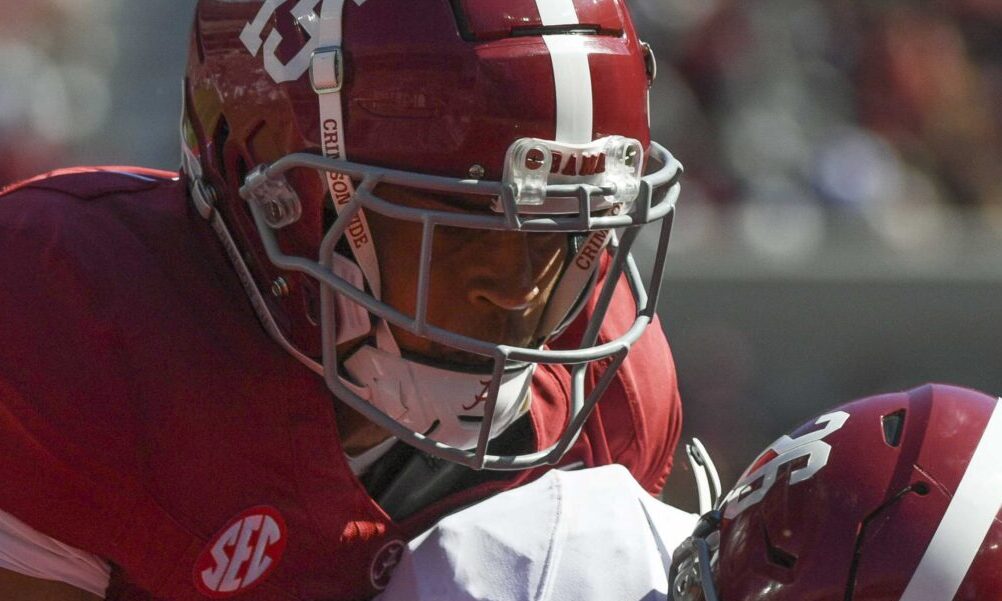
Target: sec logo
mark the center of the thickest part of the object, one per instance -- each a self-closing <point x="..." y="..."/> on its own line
<point x="242" y="554"/>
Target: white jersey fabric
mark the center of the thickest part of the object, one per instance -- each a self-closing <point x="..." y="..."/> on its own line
<point x="26" y="551"/>
<point x="589" y="535"/>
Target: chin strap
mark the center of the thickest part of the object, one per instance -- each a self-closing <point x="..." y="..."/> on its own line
<point x="568" y="297"/>
<point x="327" y="78"/>
<point x="445" y="405"/>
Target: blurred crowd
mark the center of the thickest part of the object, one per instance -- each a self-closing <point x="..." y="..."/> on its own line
<point x="885" y="110"/>
<point x="56" y="59"/>
<point x="890" y="109"/>
<point x="90" y="81"/>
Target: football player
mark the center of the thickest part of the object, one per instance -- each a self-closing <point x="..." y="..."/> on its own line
<point x="392" y="279"/>
<point x="897" y="496"/>
<point x="892" y="497"/>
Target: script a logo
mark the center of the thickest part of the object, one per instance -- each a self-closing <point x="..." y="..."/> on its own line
<point x="383" y="563"/>
<point x="305" y="13"/>
<point x="481" y="397"/>
<point x="242" y="555"/>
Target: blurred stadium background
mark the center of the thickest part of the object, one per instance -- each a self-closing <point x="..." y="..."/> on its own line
<point x="840" y="228"/>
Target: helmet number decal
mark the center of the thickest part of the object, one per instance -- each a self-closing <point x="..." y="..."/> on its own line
<point x="305" y="13"/>
<point x="760" y="477"/>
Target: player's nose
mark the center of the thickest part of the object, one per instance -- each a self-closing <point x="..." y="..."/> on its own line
<point x="512" y="299"/>
<point x="510" y="277"/>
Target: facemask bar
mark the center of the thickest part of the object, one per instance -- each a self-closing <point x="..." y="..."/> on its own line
<point x="691" y="574"/>
<point x="705" y="473"/>
<point x="656" y="200"/>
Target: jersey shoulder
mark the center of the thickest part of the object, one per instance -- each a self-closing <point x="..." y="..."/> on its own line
<point x="91" y="182"/>
<point x="75" y="212"/>
<point x="74" y="238"/>
<point x="83" y="216"/>
<point x="80" y="273"/>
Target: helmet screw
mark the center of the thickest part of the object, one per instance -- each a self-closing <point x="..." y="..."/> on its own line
<point x="631" y="156"/>
<point x="204" y="197"/>
<point x="276" y="211"/>
<point x="535" y="159"/>
<point x="477" y="171"/>
<point x="280" y="288"/>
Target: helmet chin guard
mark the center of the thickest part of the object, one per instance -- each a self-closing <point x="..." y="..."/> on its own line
<point x="657" y="194"/>
<point x="445" y="405"/>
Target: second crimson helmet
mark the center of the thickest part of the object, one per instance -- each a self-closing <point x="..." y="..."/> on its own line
<point x="298" y="111"/>
<point x="893" y="497"/>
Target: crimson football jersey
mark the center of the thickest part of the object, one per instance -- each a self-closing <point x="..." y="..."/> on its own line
<point x="147" y="418"/>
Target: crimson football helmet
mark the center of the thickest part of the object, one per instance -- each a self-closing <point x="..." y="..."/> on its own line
<point x="895" y="496"/>
<point x="299" y="112"/>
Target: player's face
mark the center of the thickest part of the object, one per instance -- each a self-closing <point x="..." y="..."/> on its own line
<point x="490" y="285"/>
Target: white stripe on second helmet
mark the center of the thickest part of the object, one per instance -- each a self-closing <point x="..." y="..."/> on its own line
<point x="965" y="524"/>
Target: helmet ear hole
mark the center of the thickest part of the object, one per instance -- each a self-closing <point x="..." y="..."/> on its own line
<point x="219" y="138"/>
<point x="779" y="557"/>
<point x="240" y="170"/>
<point x="893" y="425"/>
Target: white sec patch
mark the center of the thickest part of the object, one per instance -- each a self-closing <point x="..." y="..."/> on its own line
<point x="242" y="554"/>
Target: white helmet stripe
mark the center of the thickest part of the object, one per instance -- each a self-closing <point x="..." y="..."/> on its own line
<point x="557" y="12"/>
<point x="571" y="73"/>
<point x="972" y="511"/>
<point x="573" y="86"/>
<point x="575" y="111"/>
